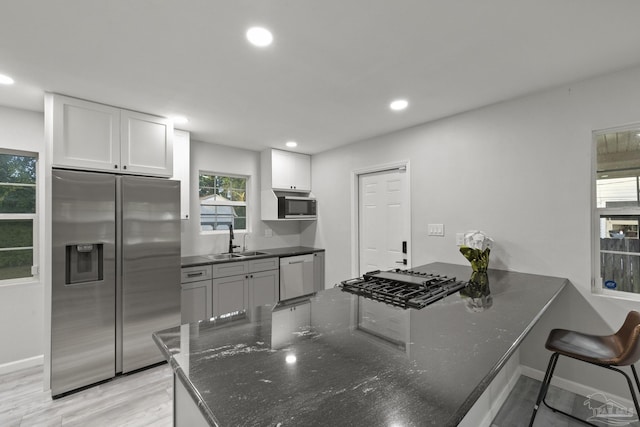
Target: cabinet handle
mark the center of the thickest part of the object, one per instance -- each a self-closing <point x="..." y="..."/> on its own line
<point x="199" y="273"/>
<point x="115" y="166"/>
<point x="124" y="167"/>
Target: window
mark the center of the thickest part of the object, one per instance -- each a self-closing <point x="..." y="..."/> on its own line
<point x="617" y="210"/>
<point x="17" y="215"/>
<point x="223" y="202"/>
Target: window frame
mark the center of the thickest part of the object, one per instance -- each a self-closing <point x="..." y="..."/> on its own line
<point x="33" y="217"/>
<point x="245" y="204"/>
<point x="597" y="285"/>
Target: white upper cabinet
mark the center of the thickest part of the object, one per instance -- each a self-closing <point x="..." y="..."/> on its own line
<point x="91" y="136"/>
<point x="286" y="171"/>
<point x="146" y="144"/>
<point x="85" y="135"/>
<point x="181" y="161"/>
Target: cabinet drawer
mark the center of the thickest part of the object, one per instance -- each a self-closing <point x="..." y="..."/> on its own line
<point x="194" y="274"/>
<point x="264" y="264"/>
<point x="230" y="269"/>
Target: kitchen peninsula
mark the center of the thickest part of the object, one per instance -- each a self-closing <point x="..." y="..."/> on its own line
<point x="340" y="359"/>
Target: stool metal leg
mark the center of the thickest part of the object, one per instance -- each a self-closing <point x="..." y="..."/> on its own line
<point x="547" y="381"/>
<point x="635" y="375"/>
<point x="545" y="385"/>
<point x="633" y="393"/>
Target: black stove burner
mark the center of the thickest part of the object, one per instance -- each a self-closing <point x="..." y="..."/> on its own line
<point x="402" y="288"/>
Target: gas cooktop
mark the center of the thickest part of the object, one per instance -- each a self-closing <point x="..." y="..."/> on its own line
<point x="402" y="288"/>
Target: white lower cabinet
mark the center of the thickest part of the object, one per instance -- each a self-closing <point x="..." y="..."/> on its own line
<point x="318" y="271"/>
<point x="230" y="294"/>
<point x="264" y="287"/>
<point x="223" y="288"/>
<point x="196" y="301"/>
<point x="195" y="298"/>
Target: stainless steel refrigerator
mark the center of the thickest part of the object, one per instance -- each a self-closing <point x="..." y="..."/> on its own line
<point x="115" y="274"/>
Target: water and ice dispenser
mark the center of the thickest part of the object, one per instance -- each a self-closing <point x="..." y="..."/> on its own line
<point x="84" y="263"/>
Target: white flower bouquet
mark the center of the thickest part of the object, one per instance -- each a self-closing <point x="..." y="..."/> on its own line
<point x="476" y="249"/>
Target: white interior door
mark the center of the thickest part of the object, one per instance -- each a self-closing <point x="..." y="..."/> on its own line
<point x="384" y="220"/>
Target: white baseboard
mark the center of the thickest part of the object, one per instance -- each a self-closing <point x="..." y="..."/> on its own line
<point x="17" y="365"/>
<point x="575" y="387"/>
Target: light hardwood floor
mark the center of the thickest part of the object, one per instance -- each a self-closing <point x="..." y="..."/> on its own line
<point x="140" y="399"/>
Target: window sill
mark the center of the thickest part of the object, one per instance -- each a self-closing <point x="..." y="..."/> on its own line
<point x="625" y="296"/>
<point x="29" y="281"/>
<point x="222" y="232"/>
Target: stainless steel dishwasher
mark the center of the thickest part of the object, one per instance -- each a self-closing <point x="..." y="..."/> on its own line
<point x="296" y="276"/>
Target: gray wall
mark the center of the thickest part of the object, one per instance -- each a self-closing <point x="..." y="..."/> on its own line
<point x="518" y="170"/>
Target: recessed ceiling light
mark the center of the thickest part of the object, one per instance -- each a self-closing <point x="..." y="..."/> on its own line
<point x="6" y="80"/>
<point x="180" y="120"/>
<point x="259" y="36"/>
<point x="399" y="104"/>
<point x="291" y="144"/>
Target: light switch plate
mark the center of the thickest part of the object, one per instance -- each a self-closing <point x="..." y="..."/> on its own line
<point x="459" y="239"/>
<point x="435" y="230"/>
<point x="268" y="232"/>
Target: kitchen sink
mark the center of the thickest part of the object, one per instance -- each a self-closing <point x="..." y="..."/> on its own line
<point x="252" y="253"/>
<point x="218" y="257"/>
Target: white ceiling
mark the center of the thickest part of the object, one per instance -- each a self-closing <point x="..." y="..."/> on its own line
<point x="331" y="72"/>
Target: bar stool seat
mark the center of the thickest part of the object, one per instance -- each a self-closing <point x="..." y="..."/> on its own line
<point x="602" y="350"/>
<point x="608" y="351"/>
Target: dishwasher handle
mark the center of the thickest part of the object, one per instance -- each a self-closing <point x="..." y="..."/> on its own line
<point x="297" y="259"/>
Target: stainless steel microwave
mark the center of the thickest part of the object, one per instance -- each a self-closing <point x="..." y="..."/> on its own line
<point x="294" y="207"/>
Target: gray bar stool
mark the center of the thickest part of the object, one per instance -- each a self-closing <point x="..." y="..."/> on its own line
<point x="619" y="349"/>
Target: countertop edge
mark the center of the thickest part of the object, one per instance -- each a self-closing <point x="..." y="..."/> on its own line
<point x="268" y="253"/>
<point x="462" y="411"/>
<point x="205" y="411"/>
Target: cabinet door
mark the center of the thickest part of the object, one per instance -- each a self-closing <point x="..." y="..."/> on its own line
<point x="280" y="173"/>
<point x="230" y="294"/>
<point x="301" y="172"/>
<point x="146" y="144"/>
<point x="85" y="135"/>
<point x="290" y="171"/>
<point x="196" y="301"/>
<point x="318" y="271"/>
<point x="181" y="161"/>
<point x="263" y="287"/>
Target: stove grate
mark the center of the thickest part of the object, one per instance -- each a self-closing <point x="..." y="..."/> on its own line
<point x="403" y="288"/>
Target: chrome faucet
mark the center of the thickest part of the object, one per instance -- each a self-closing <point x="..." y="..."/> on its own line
<point x="231" y="245"/>
<point x="244" y="242"/>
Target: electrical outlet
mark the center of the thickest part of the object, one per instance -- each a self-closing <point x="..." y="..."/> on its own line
<point x="459" y="239"/>
<point x="268" y="232"/>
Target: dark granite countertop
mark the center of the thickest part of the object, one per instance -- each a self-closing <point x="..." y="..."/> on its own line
<point x="192" y="261"/>
<point x="343" y="360"/>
